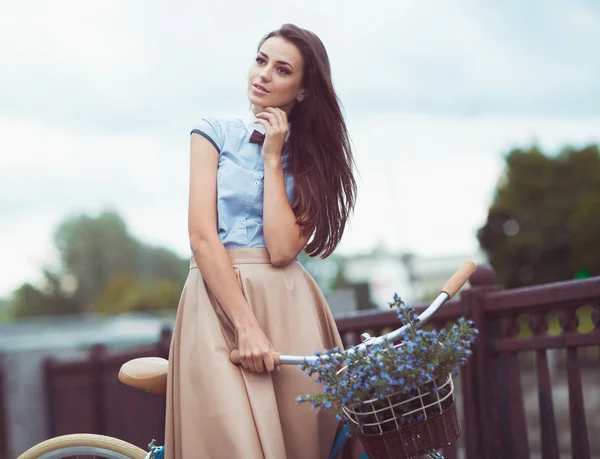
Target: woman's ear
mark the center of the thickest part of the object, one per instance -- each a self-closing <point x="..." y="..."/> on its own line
<point x="301" y="96"/>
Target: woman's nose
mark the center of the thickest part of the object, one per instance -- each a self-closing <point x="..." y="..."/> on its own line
<point x="265" y="74"/>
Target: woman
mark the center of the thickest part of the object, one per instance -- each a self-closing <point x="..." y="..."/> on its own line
<point x="259" y="189"/>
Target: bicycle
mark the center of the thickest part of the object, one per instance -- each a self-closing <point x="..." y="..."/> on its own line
<point x="150" y="374"/>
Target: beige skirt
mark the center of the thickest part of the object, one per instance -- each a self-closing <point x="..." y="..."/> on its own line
<point x="216" y="410"/>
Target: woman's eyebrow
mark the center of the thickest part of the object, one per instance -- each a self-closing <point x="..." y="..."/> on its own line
<point x="278" y="62"/>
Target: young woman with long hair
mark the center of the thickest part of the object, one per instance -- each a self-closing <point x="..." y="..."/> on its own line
<point x="262" y="189"/>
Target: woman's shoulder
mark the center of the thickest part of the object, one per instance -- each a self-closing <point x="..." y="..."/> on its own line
<point x="221" y="122"/>
<point x="219" y="129"/>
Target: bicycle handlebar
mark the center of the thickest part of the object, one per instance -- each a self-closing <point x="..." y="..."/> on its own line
<point x="454" y="284"/>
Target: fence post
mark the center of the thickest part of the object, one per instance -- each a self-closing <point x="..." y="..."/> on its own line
<point x="164" y="342"/>
<point x="48" y="371"/>
<point x="163" y="346"/>
<point x="97" y="356"/>
<point x="479" y="386"/>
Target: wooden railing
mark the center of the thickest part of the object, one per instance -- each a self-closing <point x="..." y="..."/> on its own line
<point x="553" y="317"/>
<point x="517" y="328"/>
<point x="512" y="325"/>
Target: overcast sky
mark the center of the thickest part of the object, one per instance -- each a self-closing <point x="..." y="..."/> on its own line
<point x="97" y="101"/>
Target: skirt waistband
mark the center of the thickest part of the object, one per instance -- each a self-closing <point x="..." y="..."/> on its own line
<point x="244" y="256"/>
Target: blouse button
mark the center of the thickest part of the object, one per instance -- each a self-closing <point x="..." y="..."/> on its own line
<point x="256" y="183"/>
<point x="247" y="208"/>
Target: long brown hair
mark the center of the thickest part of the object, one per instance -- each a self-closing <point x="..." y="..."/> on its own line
<point x="321" y="158"/>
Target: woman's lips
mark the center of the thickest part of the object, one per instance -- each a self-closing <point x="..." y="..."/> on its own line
<point x="260" y="88"/>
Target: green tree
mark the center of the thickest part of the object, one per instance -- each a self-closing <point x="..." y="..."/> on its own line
<point x="5" y="310"/>
<point x="161" y="263"/>
<point x="93" y="249"/>
<point x="126" y="292"/>
<point x="96" y="249"/>
<point x="106" y="265"/>
<point x="543" y="224"/>
<point x="586" y="231"/>
<point x="118" y="287"/>
<point x="30" y="301"/>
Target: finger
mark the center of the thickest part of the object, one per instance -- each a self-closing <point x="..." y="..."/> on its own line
<point x="266" y="124"/>
<point x="269" y="362"/>
<point x="258" y="364"/>
<point x="248" y="362"/>
<point x="273" y="110"/>
<point x="270" y="117"/>
<point x="274" y="118"/>
<point x="280" y="114"/>
<point x="251" y="365"/>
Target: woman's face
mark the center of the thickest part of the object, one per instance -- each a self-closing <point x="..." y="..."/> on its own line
<point x="275" y="78"/>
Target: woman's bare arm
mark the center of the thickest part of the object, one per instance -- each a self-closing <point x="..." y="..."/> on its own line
<point x="283" y="236"/>
<point x="212" y="258"/>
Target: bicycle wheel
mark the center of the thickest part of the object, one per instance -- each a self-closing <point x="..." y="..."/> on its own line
<point x="89" y="445"/>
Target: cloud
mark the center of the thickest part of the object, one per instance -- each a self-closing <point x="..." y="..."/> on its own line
<point x="117" y="66"/>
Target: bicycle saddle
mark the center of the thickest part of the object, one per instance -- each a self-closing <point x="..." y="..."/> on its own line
<point x="146" y="373"/>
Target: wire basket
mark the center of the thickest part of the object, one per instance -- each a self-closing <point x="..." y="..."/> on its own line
<point x="407" y="425"/>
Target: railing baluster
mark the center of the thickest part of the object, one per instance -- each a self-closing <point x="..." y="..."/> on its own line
<point x="546" y="406"/>
<point x="469" y="429"/>
<point x="596" y="315"/>
<point x="518" y="426"/>
<point x="580" y="445"/>
<point x="517" y="409"/>
<point x="97" y="357"/>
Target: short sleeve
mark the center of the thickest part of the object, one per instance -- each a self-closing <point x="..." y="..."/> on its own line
<point x="210" y="129"/>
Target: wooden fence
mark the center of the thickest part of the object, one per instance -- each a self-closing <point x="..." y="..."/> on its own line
<point x="517" y="327"/>
<point x="86" y="396"/>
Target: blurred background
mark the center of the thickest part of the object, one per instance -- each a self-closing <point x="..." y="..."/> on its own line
<point x="476" y="127"/>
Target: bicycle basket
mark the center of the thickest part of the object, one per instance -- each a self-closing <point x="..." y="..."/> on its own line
<point x="409" y="424"/>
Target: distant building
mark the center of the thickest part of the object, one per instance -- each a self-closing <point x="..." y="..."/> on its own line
<point x="384" y="273"/>
<point x="429" y="274"/>
<point x="414" y="278"/>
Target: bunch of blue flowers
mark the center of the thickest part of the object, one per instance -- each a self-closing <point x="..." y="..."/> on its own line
<point x="385" y="373"/>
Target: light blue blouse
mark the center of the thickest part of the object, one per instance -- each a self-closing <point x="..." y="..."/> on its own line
<point x="240" y="180"/>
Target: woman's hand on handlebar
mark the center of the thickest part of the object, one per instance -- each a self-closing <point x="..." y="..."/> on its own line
<point x="255" y="350"/>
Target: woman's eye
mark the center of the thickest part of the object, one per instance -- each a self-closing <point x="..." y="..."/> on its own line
<point x="283" y="70"/>
<point x="260" y="60"/>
